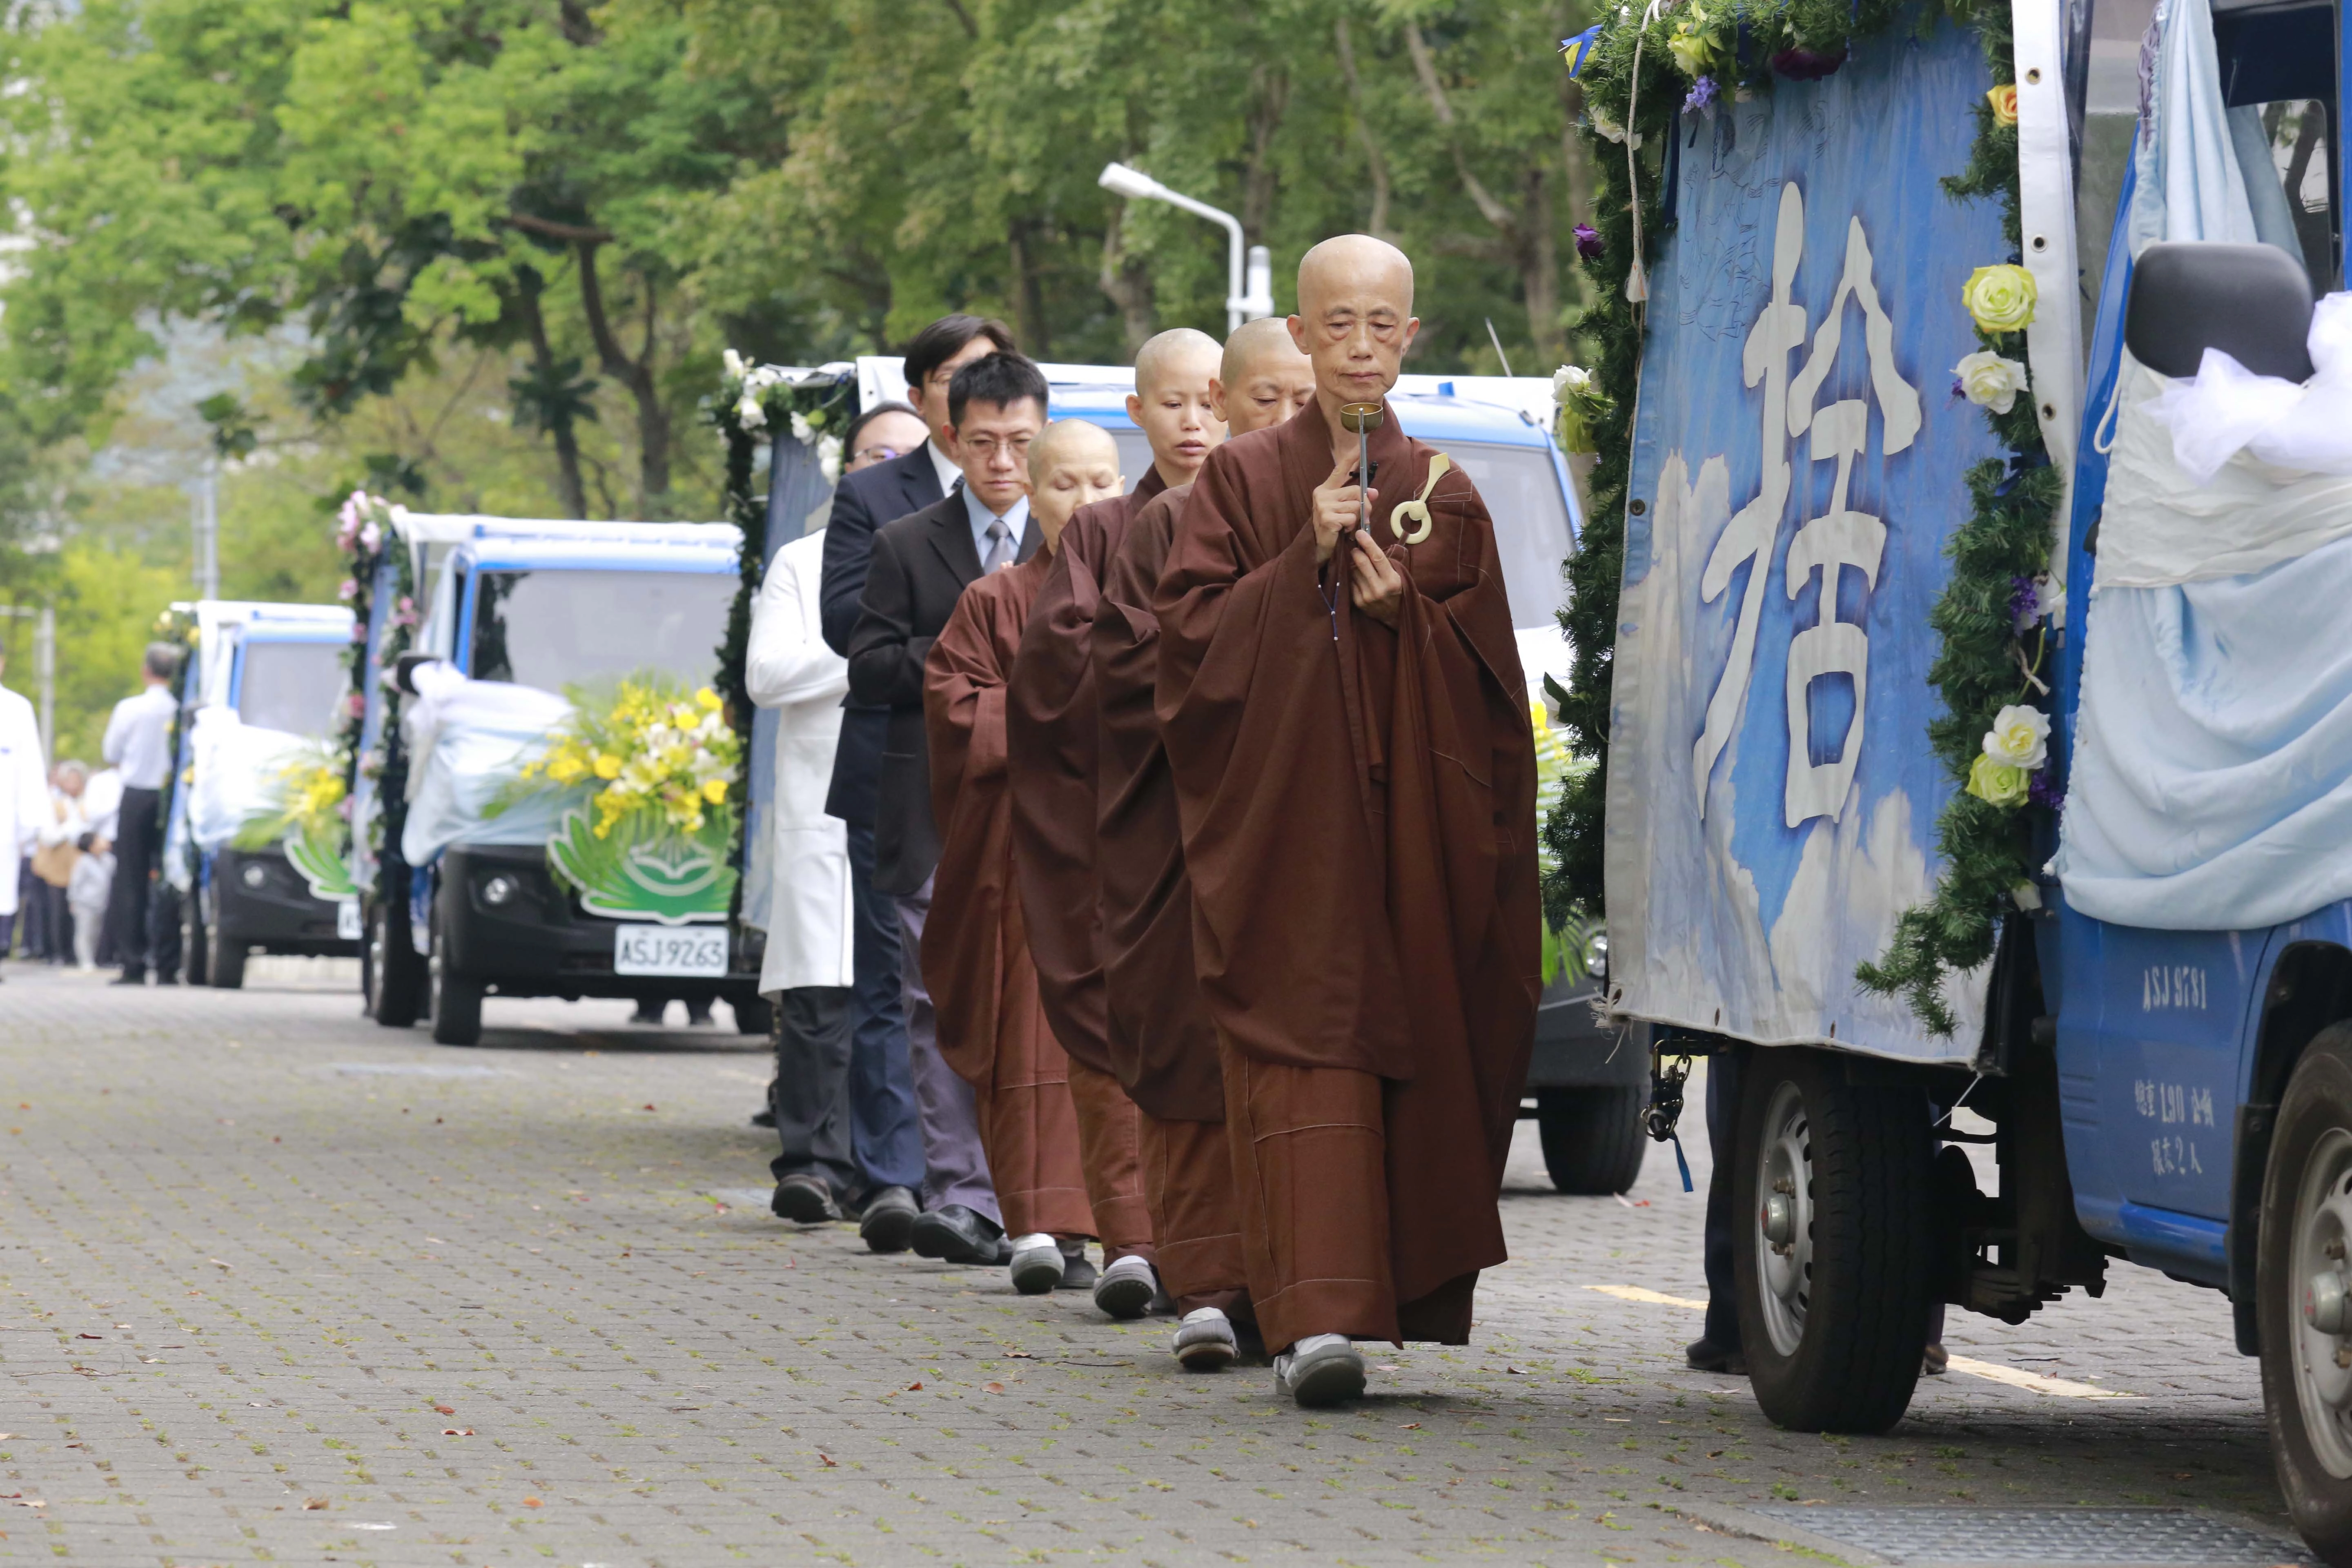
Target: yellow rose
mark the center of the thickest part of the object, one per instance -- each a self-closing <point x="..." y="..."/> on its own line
<point x="2003" y="99"/>
<point x="608" y="767"/>
<point x="707" y="697"/>
<point x="1997" y="782"/>
<point x="2000" y="298"/>
<point x="714" y="790"/>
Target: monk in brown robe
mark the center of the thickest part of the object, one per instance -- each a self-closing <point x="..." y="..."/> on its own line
<point x="975" y="954"/>
<point x="1346" y="718"/>
<point x="1162" y="1044"/>
<point x="1050" y="728"/>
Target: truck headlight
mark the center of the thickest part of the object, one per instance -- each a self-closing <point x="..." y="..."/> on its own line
<point x="500" y="890"/>
<point x="254" y="875"/>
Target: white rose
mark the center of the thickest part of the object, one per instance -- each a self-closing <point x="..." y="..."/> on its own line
<point x="1991" y="381"/>
<point x="733" y="364"/>
<point x="801" y="430"/>
<point x="828" y="458"/>
<point x="2020" y="737"/>
<point x="1569" y="378"/>
<point x="748" y="414"/>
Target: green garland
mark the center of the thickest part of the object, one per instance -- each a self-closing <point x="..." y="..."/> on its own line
<point x="754" y="402"/>
<point x="1990" y="617"/>
<point x="364" y="535"/>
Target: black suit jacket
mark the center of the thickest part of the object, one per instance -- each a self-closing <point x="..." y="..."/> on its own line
<point x="862" y="503"/>
<point x="920" y="566"/>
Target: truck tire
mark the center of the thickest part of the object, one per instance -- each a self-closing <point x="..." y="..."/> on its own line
<point x="194" y="949"/>
<point x="389" y="971"/>
<point x="228" y="964"/>
<point x="1832" y="1242"/>
<point x="753" y="1016"/>
<point x="456" y="1003"/>
<point x="1593" y="1138"/>
<point x="2299" y="1262"/>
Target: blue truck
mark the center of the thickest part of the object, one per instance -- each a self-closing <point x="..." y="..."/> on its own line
<point x="1905" y="465"/>
<point x="469" y="898"/>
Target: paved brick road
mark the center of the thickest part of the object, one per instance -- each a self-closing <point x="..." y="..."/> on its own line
<point x="278" y="1286"/>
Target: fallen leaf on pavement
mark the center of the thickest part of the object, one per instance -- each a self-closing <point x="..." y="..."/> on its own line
<point x="1019" y="1355"/>
<point x="828" y="1461"/>
<point x="649" y="1105"/>
<point x="1411" y="1426"/>
<point x="456" y="1432"/>
<point x="1514" y="1372"/>
<point x="89" y="1336"/>
<point x="310" y="1503"/>
<point x="219" y="1265"/>
<point x="444" y="1409"/>
<point x="531" y="1502"/>
<point x="993" y="1387"/>
<point x="914" y="1388"/>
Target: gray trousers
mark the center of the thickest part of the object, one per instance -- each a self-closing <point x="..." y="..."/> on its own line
<point x="811" y="1094"/>
<point x="956" y="1166"/>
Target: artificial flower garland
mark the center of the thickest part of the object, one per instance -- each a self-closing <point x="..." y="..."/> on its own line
<point x="1642" y="74"/>
<point x="363" y="536"/>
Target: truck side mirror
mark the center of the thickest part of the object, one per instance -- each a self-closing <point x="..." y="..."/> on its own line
<point x="2252" y="302"/>
<point x="403" y="671"/>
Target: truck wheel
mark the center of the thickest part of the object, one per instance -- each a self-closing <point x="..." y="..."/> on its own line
<point x="2301" y="1280"/>
<point x="753" y="1016"/>
<point x="194" y="949"/>
<point x="229" y="965"/>
<point x="456" y="1003"/>
<point x="388" y="968"/>
<point x="1832" y="1242"/>
<point x="1593" y="1138"/>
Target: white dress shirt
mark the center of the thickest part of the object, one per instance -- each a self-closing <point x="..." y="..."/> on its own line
<point x="1016" y="523"/>
<point x="24" y="790"/>
<point x="138" y="738"/>
<point x="945" y="467"/>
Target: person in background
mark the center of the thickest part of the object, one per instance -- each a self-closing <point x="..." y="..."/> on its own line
<point x="139" y="742"/>
<point x="881" y="1085"/>
<point x="24" y="797"/>
<point x="56" y="848"/>
<point x="882" y="433"/>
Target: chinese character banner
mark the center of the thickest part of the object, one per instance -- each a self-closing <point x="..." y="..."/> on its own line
<point x="1799" y="454"/>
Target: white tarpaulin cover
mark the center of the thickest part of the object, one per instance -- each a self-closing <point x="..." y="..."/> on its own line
<point x="237" y="767"/>
<point x="467" y="740"/>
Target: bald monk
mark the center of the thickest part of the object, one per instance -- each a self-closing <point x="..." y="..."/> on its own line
<point x="1050" y="726"/>
<point x="1163" y="1048"/>
<point x="975" y="952"/>
<point x="1346" y="718"/>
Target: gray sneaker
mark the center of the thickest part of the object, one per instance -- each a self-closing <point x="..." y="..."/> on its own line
<point x="1205" y="1342"/>
<point x="1125" y="1288"/>
<point x="1036" y="1264"/>
<point x="1320" y="1370"/>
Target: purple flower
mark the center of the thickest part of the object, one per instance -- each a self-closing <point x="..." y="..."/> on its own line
<point x="2024" y="602"/>
<point x="2043" y="790"/>
<point x="1957" y="390"/>
<point x="1588" y="242"/>
<point x="1800" y="64"/>
<point x="1701" y="98"/>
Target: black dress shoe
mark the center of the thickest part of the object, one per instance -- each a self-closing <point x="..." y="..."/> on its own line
<point x="1706" y="1356"/>
<point x="887" y="1224"/>
<point x="955" y="1234"/>
<point x="804" y="1200"/>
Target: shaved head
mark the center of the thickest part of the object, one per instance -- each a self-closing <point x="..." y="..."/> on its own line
<point x="1255" y="342"/>
<point x="1265" y="379"/>
<point x="1070" y="443"/>
<point x="1175" y="354"/>
<point x="1355" y="320"/>
<point x="1353" y="263"/>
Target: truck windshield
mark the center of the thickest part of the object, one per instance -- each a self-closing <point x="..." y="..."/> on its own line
<point x="556" y="629"/>
<point x="1521" y="489"/>
<point x="291" y="686"/>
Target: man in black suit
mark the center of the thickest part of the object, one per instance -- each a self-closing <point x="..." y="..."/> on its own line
<point x="920" y="566"/>
<point x="880" y="1074"/>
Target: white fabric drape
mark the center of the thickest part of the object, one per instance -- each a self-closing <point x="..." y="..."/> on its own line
<point x="467" y="740"/>
<point x="238" y="766"/>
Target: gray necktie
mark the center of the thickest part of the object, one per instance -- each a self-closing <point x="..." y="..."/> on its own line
<point x="1000" y="546"/>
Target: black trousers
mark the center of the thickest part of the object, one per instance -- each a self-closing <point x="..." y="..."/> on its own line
<point x="809" y="1096"/>
<point x="136" y="842"/>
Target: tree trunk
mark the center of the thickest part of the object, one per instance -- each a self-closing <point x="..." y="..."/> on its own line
<point x="1028" y="288"/>
<point x="1539" y="271"/>
<point x="1128" y="281"/>
<point x="1269" y="99"/>
<point x="637" y="376"/>
<point x="573" y="492"/>
<point x="1376" y="166"/>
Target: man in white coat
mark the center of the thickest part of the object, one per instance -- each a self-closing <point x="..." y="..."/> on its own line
<point x="25" y="795"/>
<point x="850" y="1140"/>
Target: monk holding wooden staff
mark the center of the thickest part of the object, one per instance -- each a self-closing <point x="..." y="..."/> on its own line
<point x="1162" y="1044"/>
<point x="1345" y="718"/>
<point x="975" y="952"/>
<point x="1050" y="733"/>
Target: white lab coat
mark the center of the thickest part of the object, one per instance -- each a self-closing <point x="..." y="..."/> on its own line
<point x="25" y="806"/>
<point x="789" y="670"/>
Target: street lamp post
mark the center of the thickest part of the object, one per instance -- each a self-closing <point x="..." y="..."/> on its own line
<point x="1249" y="286"/>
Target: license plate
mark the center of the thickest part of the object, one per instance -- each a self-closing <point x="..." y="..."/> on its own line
<point x="347" y="920"/>
<point x="697" y="950"/>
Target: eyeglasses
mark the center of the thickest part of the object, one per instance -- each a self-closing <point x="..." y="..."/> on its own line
<point x="987" y="447"/>
<point x="874" y="454"/>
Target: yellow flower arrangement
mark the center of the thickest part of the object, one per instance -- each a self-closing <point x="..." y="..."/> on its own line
<point x="651" y="750"/>
<point x="2000" y="298"/>
<point x="2003" y="99"/>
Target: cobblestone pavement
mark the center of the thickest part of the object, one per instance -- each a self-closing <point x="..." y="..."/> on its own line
<point x="277" y="1285"/>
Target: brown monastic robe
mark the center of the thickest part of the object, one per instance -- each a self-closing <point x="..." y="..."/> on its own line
<point x="1163" y="1047"/>
<point x="1358" y="812"/>
<point x="1050" y="734"/>
<point x="975" y="955"/>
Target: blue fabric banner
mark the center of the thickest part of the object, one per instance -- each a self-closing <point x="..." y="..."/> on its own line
<point x="1798" y="460"/>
